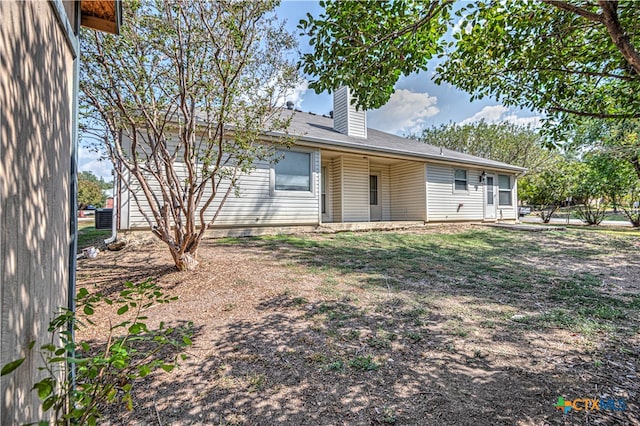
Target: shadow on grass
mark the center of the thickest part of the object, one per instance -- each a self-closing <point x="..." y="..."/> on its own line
<point x="336" y="363"/>
<point x="108" y="273"/>
<point x="398" y="357"/>
<point x="498" y="266"/>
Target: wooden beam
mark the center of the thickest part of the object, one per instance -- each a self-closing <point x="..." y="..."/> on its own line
<point x="99" y="24"/>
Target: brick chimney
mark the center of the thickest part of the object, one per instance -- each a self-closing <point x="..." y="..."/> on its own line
<point x="347" y="119"/>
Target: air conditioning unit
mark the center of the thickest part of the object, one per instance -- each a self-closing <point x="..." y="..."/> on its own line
<point x="104" y="218"/>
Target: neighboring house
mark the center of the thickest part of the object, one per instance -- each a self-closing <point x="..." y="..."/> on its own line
<point x="340" y="171"/>
<point x="38" y="88"/>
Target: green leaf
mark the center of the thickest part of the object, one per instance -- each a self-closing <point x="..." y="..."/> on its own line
<point x="11" y="366"/>
<point x="48" y="347"/>
<point x="44" y="388"/>
<point x="135" y="328"/>
<point x="144" y="370"/>
<point x="88" y="310"/>
<point x="123" y="309"/>
<point x="167" y="367"/>
<point x="187" y="340"/>
<point x="48" y="403"/>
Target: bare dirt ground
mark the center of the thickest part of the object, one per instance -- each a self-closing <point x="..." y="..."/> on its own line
<point x="454" y="326"/>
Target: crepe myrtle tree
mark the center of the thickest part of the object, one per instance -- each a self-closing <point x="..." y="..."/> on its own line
<point x="547" y="189"/>
<point x="605" y="180"/>
<point x="613" y="148"/>
<point x="180" y="100"/>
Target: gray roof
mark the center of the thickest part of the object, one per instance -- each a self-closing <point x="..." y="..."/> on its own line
<point x="318" y="130"/>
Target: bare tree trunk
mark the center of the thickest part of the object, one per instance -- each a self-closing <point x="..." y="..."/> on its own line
<point x="174" y="162"/>
<point x="184" y="261"/>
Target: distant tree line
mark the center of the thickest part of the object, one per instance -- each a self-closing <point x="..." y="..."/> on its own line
<point x="598" y="169"/>
<point x="91" y="190"/>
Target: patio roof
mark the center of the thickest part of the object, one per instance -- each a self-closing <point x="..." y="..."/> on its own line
<point x="102" y="15"/>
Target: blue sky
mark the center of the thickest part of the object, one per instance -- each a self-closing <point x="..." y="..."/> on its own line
<point x="417" y="103"/>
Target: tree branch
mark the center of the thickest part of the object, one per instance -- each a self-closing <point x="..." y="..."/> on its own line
<point x="618" y="35"/>
<point x="594" y="114"/>
<point x="568" y="7"/>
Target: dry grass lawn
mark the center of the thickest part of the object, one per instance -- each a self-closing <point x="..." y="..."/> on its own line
<point x="450" y="325"/>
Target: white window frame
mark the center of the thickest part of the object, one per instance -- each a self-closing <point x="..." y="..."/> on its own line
<point x="503" y="190"/>
<point x="466" y="181"/>
<point x="293" y="192"/>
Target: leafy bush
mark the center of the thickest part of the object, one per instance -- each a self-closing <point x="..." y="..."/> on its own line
<point x="81" y="379"/>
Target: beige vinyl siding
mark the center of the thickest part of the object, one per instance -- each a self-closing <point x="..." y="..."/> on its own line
<point x="255" y="204"/>
<point x="341" y="110"/>
<point x="355" y="199"/>
<point x="357" y="122"/>
<point x="336" y="184"/>
<point x="347" y="119"/>
<point x="36" y="136"/>
<point x="384" y="189"/>
<point x="408" y="195"/>
<point x="447" y="204"/>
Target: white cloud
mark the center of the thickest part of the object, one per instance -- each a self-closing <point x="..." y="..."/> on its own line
<point x="90" y="161"/>
<point x="490" y="114"/>
<point x="498" y="113"/>
<point x="534" y="121"/>
<point x="295" y="95"/>
<point x="405" y="112"/>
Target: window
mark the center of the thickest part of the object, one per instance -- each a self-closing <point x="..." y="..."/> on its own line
<point x="373" y="190"/>
<point x="293" y="171"/>
<point x="460" y="180"/>
<point x="323" y="189"/>
<point x="490" y="189"/>
<point x="504" y="190"/>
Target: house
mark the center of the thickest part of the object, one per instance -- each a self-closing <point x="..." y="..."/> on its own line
<point x="38" y="88"/>
<point x="340" y="171"/>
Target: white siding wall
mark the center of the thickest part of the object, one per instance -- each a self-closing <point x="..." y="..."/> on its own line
<point x="408" y="194"/>
<point x="346" y="118"/>
<point x="256" y="204"/>
<point x="355" y="200"/>
<point x="444" y="203"/>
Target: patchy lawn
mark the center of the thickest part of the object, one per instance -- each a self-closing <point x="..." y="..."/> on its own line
<point x="89" y="236"/>
<point x="448" y="325"/>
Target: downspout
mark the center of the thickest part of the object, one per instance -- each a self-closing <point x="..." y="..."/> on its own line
<point x="73" y="197"/>
<point x="114" y="212"/>
<point x="116" y="205"/>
